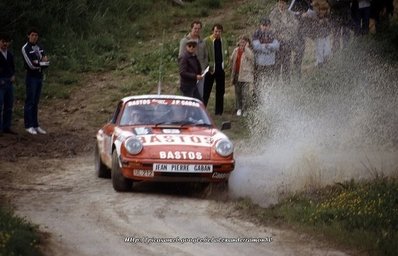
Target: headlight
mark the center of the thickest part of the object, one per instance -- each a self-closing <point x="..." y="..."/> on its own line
<point x="133" y="145"/>
<point x="224" y="147"/>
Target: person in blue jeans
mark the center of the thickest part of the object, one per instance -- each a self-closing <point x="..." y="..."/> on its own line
<point x="35" y="61"/>
<point x="7" y="78"/>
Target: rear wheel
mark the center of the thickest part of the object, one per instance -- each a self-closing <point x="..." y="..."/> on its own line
<point x="101" y="169"/>
<point x="119" y="182"/>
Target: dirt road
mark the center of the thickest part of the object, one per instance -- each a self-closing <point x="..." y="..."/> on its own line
<point x="85" y="216"/>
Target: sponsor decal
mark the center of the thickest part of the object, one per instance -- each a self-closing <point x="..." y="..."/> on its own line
<point x="142" y="130"/>
<point x="160" y="102"/>
<point x="180" y="155"/>
<point x="185" y="103"/>
<point x="139" y="102"/>
<point x="220" y="175"/>
<point x="194" y="140"/>
<point x="163" y="102"/>
<point x="171" y="131"/>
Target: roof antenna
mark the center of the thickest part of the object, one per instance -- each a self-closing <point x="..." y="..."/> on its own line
<point x="161" y="66"/>
<point x="291" y="5"/>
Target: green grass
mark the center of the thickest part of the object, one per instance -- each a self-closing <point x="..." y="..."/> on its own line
<point x="359" y="215"/>
<point x="17" y="236"/>
<point x="88" y="38"/>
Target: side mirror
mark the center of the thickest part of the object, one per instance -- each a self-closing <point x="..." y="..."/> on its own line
<point x="226" y="125"/>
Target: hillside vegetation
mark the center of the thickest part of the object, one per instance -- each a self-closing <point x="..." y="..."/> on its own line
<point x="138" y="41"/>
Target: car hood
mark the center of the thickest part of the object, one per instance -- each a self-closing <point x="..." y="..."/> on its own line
<point x="188" y="143"/>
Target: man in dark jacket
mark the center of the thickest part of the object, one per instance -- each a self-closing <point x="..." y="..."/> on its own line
<point x="35" y="61"/>
<point x="7" y="78"/>
<point x="190" y="71"/>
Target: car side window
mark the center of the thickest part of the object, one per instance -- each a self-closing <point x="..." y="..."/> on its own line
<point x="116" y="113"/>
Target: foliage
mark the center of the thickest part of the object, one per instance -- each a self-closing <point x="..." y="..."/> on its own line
<point x="101" y="35"/>
<point x="359" y="214"/>
<point x="17" y="236"/>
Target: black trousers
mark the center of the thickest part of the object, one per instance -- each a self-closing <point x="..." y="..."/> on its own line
<point x="219" y="76"/>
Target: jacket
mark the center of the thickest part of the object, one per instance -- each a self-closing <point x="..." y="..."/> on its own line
<point x="32" y="55"/>
<point x="209" y="41"/>
<point x="265" y="50"/>
<point x="246" y="70"/>
<point x="285" y="25"/>
<point x="201" y="52"/>
<point x="189" y="68"/>
<point x="7" y="66"/>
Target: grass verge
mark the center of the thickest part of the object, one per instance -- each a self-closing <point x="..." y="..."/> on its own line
<point x="361" y="216"/>
<point x="17" y="236"/>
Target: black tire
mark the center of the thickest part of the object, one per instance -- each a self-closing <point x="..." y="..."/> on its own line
<point x="101" y="169"/>
<point x="119" y="182"/>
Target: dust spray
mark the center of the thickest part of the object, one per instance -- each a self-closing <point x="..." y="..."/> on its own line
<point x="337" y="123"/>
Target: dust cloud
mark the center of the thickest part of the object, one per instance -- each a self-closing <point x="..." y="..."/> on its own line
<point x="336" y="124"/>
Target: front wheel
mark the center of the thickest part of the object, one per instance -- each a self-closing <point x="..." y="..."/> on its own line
<point x="119" y="182"/>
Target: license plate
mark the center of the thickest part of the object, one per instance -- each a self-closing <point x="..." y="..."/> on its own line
<point x="143" y="173"/>
<point x="191" y="168"/>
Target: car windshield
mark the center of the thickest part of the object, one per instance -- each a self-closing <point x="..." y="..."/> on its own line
<point x="164" y="112"/>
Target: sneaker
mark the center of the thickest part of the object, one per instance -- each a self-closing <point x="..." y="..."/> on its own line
<point x="239" y="112"/>
<point x="31" y="130"/>
<point x="40" y="130"/>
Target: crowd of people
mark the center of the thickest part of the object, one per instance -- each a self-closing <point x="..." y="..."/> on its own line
<point x="275" y="51"/>
<point x="35" y="60"/>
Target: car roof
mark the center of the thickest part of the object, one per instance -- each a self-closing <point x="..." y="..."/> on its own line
<point x="159" y="96"/>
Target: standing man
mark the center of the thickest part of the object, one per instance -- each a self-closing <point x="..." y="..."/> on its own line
<point x="190" y="71"/>
<point x="35" y="61"/>
<point x="217" y="52"/>
<point x="265" y="47"/>
<point x="7" y="78"/>
<point x="285" y="24"/>
<point x="201" y="52"/>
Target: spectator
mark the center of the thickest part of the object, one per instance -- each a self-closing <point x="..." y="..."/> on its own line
<point x="242" y="61"/>
<point x="7" y="78"/>
<point x="361" y="14"/>
<point x="201" y="52"/>
<point x="323" y="29"/>
<point x="285" y="24"/>
<point x="217" y="54"/>
<point x="35" y="61"/>
<point x="340" y="16"/>
<point x="380" y="13"/>
<point x="265" y="47"/>
<point x="299" y="7"/>
<point x="190" y="70"/>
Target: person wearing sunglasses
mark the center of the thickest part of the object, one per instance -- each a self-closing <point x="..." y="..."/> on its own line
<point x="190" y="70"/>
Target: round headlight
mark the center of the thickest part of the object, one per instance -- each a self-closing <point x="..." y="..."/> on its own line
<point x="224" y="147"/>
<point x="133" y="145"/>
